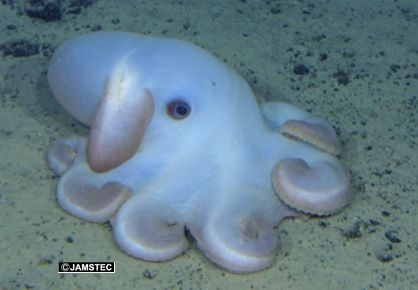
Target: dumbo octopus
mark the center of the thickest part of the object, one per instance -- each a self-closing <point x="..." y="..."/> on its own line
<point x="179" y="149"/>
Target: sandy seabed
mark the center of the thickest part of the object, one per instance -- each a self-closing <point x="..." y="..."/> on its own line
<point x="354" y="63"/>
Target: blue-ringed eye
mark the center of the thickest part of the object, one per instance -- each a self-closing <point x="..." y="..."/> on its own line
<point x="178" y="109"/>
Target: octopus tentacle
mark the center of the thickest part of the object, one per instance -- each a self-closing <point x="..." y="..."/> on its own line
<point x="65" y="152"/>
<point x="90" y="197"/>
<point x="320" y="188"/>
<point x="240" y="244"/>
<point x="149" y="230"/>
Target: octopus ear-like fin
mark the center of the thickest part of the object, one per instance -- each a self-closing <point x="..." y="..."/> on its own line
<point x="320" y="135"/>
<point x="120" y="122"/>
<point x="297" y="124"/>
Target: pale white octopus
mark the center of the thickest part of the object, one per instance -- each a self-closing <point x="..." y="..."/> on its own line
<point x="178" y="143"/>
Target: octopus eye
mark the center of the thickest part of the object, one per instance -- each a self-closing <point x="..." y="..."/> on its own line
<point x="178" y="109"/>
